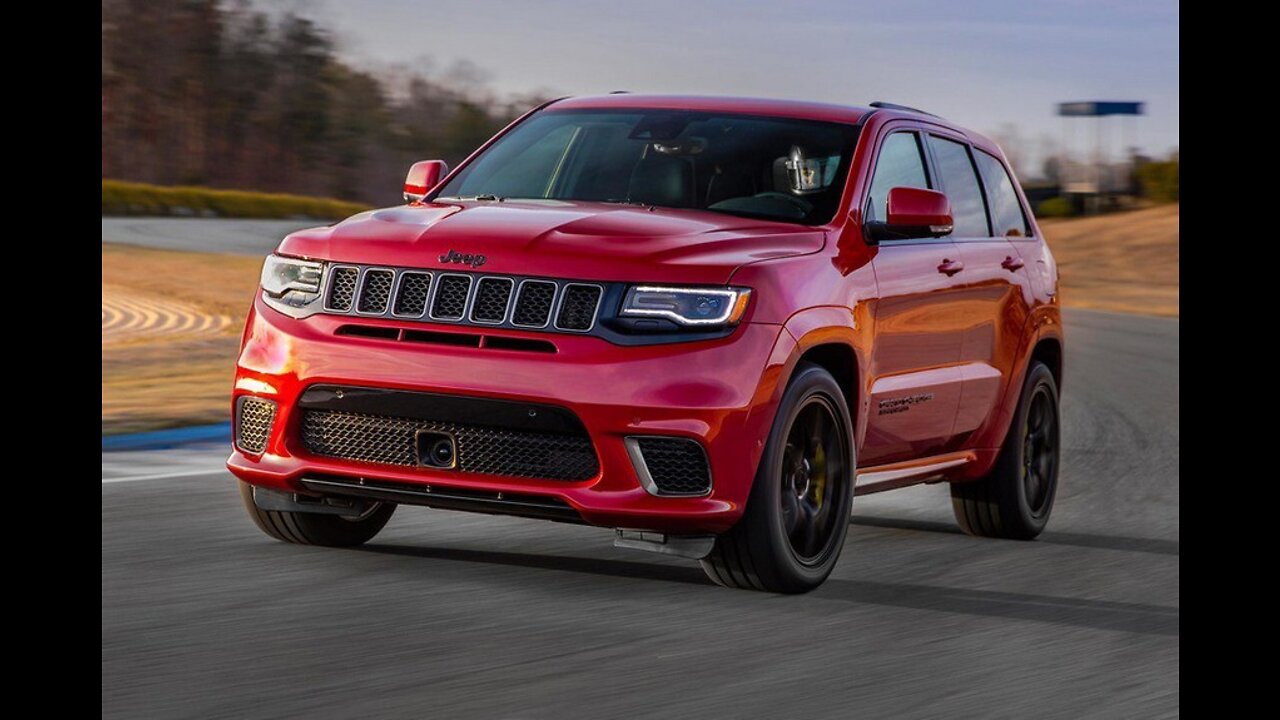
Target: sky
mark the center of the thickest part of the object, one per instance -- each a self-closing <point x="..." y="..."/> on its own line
<point x="996" y="66"/>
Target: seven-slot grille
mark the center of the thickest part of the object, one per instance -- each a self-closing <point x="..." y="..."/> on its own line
<point x="464" y="298"/>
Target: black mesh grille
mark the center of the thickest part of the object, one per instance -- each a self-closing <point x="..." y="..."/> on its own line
<point x="342" y="289"/>
<point x="678" y="466"/>
<point x="492" y="295"/>
<point x="451" y="297"/>
<point x="533" y="305"/>
<point x="411" y="297"/>
<point x="493" y="451"/>
<point x="578" y="308"/>
<point x="375" y="291"/>
<point x="253" y="423"/>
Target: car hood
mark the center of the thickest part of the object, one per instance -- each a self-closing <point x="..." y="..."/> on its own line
<point x="579" y="240"/>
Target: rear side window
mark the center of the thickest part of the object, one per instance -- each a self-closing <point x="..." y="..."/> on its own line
<point x="960" y="183"/>
<point x="1007" y="219"/>
<point x="900" y="164"/>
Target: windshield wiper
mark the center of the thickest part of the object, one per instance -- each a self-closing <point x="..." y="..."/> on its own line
<point x="463" y="198"/>
<point x="636" y="203"/>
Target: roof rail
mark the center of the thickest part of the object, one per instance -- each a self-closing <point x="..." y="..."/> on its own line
<point x="881" y="105"/>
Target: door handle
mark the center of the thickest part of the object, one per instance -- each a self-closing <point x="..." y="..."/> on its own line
<point x="1012" y="264"/>
<point x="950" y="267"/>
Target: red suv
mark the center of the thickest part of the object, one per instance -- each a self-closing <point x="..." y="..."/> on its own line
<point x="705" y="323"/>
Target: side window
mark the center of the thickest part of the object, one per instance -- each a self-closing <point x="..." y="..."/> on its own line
<point x="1006" y="212"/>
<point x="900" y="164"/>
<point x="960" y="183"/>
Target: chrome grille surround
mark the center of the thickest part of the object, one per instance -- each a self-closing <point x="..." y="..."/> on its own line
<point x="535" y="299"/>
<point x="492" y="300"/>
<point x="412" y="291"/>
<point x="579" y="305"/>
<point x="340" y="295"/>
<point x="451" y="297"/>
<point x="375" y="291"/>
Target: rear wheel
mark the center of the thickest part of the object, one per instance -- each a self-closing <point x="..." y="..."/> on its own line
<point x="1015" y="500"/>
<point x="793" y="529"/>
<point x="315" y="528"/>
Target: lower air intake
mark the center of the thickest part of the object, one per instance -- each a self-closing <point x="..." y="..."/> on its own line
<point x="391" y="440"/>
<point x="671" y="466"/>
<point x="254" y="417"/>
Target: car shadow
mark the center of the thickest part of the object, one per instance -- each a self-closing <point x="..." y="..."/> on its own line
<point x="1104" y="542"/>
<point x="593" y="566"/>
<point x="1096" y="614"/>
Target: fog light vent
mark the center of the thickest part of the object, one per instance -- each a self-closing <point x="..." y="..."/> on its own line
<point x="254" y="417"/>
<point x="670" y="465"/>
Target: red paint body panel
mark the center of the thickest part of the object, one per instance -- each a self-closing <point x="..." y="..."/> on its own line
<point x="712" y="391"/>
<point x="963" y="339"/>
<point x="594" y="241"/>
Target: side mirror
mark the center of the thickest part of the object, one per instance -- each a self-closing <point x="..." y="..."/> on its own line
<point x="423" y="176"/>
<point x="913" y="213"/>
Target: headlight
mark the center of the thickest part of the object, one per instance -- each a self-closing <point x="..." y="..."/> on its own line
<point x="687" y="305"/>
<point x="282" y="274"/>
<point x="289" y="284"/>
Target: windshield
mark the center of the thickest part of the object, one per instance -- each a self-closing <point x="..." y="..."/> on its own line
<point x="772" y="168"/>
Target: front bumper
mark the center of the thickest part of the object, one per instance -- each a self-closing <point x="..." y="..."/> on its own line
<point x="722" y="393"/>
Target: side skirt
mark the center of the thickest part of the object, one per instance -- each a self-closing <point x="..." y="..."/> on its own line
<point x="879" y="478"/>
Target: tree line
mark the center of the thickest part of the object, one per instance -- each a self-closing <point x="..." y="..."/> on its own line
<point x="218" y="93"/>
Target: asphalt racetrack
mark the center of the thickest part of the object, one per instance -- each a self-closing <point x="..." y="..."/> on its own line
<point x="450" y="615"/>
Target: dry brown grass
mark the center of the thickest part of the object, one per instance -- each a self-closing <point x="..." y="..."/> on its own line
<point x="173" y="381"/>
<point x="1125" y="262"/>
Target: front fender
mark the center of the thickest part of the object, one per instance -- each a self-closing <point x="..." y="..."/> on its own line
<point x="846" y="328"/>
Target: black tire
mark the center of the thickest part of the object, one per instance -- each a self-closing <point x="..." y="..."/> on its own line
<point x="1015" y="500"/>
<point x="315" y="528"/>
<point x="760" y="552"/>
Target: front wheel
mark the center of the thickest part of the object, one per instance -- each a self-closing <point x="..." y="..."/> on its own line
<point x="303" y="528"/>
<point x="797" y="516"/>
<point x="1014" y="501"/>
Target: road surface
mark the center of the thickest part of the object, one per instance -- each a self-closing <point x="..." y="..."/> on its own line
<point x="450" y="615"/>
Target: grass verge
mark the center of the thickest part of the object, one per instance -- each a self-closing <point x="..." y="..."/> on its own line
<point x="129" y="198"/>
<point x="1123" y="262"/>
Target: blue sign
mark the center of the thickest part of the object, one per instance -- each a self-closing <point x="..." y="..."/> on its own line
<point x="1096" y="108"/>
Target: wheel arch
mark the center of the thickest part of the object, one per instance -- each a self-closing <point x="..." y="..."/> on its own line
<point x="836" y="340"/>
<point x="1048" y="350"/>
<point x="1042" y="340"/>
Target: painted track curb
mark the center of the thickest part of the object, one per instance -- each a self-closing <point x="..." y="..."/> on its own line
<point x="162" y="439"/>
